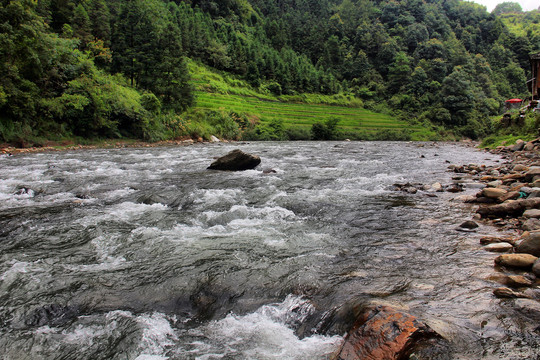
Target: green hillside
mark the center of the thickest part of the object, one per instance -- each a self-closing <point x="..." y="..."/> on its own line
<point x="94" y="69"/>
<point x="223" y="93"/>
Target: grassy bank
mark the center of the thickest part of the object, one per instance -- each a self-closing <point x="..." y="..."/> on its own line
<point x="525" y="129"/>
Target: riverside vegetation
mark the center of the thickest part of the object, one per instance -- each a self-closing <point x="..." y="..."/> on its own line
<point x="80" y="70"/>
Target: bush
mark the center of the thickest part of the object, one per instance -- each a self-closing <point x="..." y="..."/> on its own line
<point x="326" y="131"/>
<point x="266" y="131"/>
<point x="295" y="134"/>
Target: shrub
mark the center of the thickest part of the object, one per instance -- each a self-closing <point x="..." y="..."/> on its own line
<point x="326" y="131"/>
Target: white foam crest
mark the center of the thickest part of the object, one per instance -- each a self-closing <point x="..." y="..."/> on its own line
<point x="238" y="214"/>
<point x="358" y="181"/>
<point x="122" y="212"/>
<point x="85" y="335"/>
<point x="16" y="271"/>
<point x="218" y="196"/>
<point x="118" y="193"/>
<point x="157" y="336"/>
<point x="266" y="334"/>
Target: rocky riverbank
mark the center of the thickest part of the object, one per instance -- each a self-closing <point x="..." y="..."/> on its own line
<point x="508" y="198"/>
<point x="8" y="149"/>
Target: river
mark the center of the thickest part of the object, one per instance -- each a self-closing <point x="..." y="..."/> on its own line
<point x="145" y="254"/>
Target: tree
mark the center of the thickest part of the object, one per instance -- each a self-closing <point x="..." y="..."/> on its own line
<point x="399" y="72"/>
<point x="457" y="96"/>
<point x="171" y="81"/>
<point x="507" y="7"/>
<point x="100" y="20"/>
<point x="81" y="25"/>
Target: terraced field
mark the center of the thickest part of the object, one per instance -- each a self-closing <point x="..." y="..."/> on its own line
<point x="301" y="115"/>
<point x="220" y="91"/>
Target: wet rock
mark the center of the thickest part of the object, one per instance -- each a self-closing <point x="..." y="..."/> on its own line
<point x="529" y="308"/>
<point x="52" y="315"/>
<point x="533" y="193"/>
<point x="518" y="281"/>
<point x="509" y="208"/>
<point x="530" y="244"/>
<point x="485" y="240"/>
<point x="506" y="293"/>
<point x="529" y="146"/>
<point x="536" y="268"/>
<point x="520" y="167"/>
<point x="524" y="261"/>
<point x="469" y="224"/>
<point x="494" y="184"/>
<point x="437" y="187"/>
<point x="532" y="173"/>
<point x="269" y="171"/>
<point x="511" y="195"/>
<point x="236" y="160"/>
<point x="214" y="139"/>
<point x="498" y="247"/>
<point x="520" y="144"/>
<point x="531" y="224"/>
<point x="532" y="213"/>
<point x="150" y="199"/>
<point x="466" y="198"/>
<point x="382" y="332"/>
<point x="26" y="190"/>
<point x="454" y="188"/>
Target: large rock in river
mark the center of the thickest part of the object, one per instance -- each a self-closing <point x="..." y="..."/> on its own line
<point x="530" y="244"/>
<point x="382" y="332"/>
<point x="236" y="160"/>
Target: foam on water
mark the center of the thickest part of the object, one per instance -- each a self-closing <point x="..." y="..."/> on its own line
<point x="196" y="274"/>
<point x="122" y="212"/>
<point x="157" y="336"/>
<point x="267" y="333"/>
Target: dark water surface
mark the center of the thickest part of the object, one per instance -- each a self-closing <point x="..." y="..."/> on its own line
<point x="145" y="254"/>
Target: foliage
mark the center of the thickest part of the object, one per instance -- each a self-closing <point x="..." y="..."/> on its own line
<point x="120" y="68"/>
<point x="325" y="131"/>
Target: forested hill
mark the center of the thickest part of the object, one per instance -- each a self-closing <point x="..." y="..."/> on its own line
<point x="97" y="68"/>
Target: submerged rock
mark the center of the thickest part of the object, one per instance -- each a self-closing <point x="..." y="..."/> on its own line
<point x="52" y="315"/>
<point x="236" y="160"/>
<point x="506" y="293"/>
<point x="382" y="332"/>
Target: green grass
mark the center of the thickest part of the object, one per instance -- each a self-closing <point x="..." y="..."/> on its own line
<point x="221" y="92"/>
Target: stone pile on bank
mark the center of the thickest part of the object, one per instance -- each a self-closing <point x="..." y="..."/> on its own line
<point x="509" y="199"/>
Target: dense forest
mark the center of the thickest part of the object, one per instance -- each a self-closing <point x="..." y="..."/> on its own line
<point x="117" y="68"/>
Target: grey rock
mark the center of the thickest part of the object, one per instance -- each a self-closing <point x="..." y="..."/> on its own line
<point x="520" y="144"/>
<point x="469" y="224"/>
<point x="531" y="225"/>
<point x="236" y="160"/>
<point x="530" y="244"/>
<point x="532" y="213"/>
<point x="536" y="268"/>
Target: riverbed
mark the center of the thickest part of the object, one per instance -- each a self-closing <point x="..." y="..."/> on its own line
<point x="146" y="254"/>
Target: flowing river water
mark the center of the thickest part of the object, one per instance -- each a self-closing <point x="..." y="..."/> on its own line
<point x="145" y="254"/>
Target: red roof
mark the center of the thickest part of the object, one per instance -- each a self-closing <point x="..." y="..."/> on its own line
<point x="514" y="101"/>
